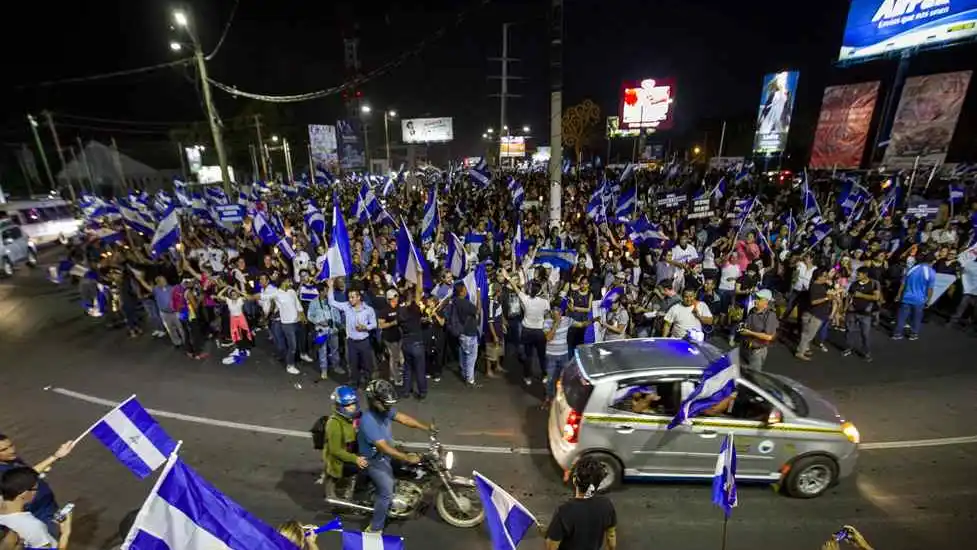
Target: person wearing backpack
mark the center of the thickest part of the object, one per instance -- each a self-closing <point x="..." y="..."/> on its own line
<point x="340" y="461"/>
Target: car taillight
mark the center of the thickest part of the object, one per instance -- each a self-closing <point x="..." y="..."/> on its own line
<point x="571" y="429"/>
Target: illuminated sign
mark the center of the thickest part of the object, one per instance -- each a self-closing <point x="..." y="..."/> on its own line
<point x="776" y="107"/>
<point x="512" y="147"/>
<point x="424" y="130"/>
<point x="876" y="27"/>
<point x="647" y="104"/>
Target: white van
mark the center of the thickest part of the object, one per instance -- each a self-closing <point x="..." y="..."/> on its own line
<point x="43" y="221"/>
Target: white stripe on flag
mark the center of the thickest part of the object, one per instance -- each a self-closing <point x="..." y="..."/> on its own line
<point x="134" y="438"/>
<point x="161" y="518"/>
<point x="372" y="541"/>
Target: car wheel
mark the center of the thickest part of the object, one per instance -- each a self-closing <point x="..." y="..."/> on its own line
<point x="6" y="268"/>
<point x="613" y="471"/>
<point x="63" y="239"/>
<point x="811" y="476"/>
<point x="31" y="258"/>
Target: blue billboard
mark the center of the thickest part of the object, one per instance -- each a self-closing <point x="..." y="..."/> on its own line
<point x="876" y="27"/>
<point x="776" y="108"/>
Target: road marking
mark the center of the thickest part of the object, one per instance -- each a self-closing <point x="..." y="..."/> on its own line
<point x="484" y="449"/>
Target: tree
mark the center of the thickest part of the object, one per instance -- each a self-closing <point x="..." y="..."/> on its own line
<point x="580" y="123"/>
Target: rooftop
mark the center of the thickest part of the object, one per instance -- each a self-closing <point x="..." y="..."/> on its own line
<point x="607" y="358"/>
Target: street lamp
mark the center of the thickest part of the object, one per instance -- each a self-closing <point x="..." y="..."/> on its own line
<point x="180" y="18"/>
<point x="387" y="115"/>
<point x="484" y="136"/>
<point x="525" y="129"/>
<point x="490" y="131"/>
<point x="274" y="138"/>
<point x="365" y="109"/>
<point x="696" y="150"/>
<point x="175" y="46"/>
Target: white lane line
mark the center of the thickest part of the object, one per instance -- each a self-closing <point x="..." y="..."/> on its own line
<point x="485" y="449"/>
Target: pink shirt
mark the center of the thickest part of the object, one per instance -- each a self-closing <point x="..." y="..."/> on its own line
<point x="746" y="253"/>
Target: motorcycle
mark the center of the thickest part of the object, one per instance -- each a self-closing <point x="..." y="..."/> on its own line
<point x="455" y="497"/>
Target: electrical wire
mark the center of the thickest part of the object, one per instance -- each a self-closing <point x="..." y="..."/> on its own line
<point x="227" y="28"/>
<point x="113" y="130"/>
<point x="104" y="76"/>
<point x="70" y="117"/>
<point x="379" y="71"/>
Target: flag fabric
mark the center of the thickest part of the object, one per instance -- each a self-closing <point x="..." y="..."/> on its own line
<point x="167" y="234"/>
<point x="185" y="512"/>
<point x="456" y="261"/>
<point x="520" y="246"/>
<point x="595" y="207"/>
<point x="559" y="258"/>
<point x="265" y="231"/>
<point x="718" y="382"/>
<point x="410" y="262"/>
<point x="809" y="201"/>
<point x="518" y="193"/>
<point x="628" y="172"/>
<point x="956" y="193"/>
<point x="339" y="258"/>
<point x="134" y="437"/>
<point x="136" y="218"/>
<point x="286" y="248"/>
<point x="371" y="541"/>
<point x="821" y="231"/>
<point x="724" y="480"/>
<point x="366" y="204"/>
<point x="481" y="174"/>
<point x="719" y="191"/>
<point x="315" y="220"/>
<point x="627" y="204"/>
<point x="507" y="520"/>
<point x="429" y="224"/>
<point x="643" y="232"/>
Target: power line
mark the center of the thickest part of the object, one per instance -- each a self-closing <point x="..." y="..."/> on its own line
<point x="227" y="28"/>
<point x="105" y="76"/>
<point x="127" y="122"/>
<point x="113" y="130"/>
<point x="385" y="68"/>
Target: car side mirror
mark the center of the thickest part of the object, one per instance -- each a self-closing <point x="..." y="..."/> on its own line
<point x="775" y="416"/>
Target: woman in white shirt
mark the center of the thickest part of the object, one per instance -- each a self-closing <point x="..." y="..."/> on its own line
<point x="533" y="337"/>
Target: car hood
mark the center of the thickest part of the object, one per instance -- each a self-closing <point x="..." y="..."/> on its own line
<point x="818" y="408"/>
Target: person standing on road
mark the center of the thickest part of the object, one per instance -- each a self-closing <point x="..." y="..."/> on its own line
<point x="866" y="295"/>
<point x="463" y="323"/>
<point x="390" y="334"/>
<point x="290" y="309"/>
<point x="43" y="506"/>
<point x="818" y="311"/>
<point x="360" y="320"/>
<point x="410" y="323"/>
<point x="913" y="296"/>
<point x="588" y="521"/>
<point x="758" y="331"/>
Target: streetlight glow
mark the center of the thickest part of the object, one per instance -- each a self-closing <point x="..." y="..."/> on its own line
<point x="525" y="129"/>
<point x="175" y="46"/>
<point x="274" y="138"/>
<point x="392" y="114"/>
<point x="484" y="136"/>
<point x="505" y="128"/>
<point x="490" y="131"/>
<point x="180" y="18"/>
<point x="696" y="150"/>
<point x="365" y="109"/>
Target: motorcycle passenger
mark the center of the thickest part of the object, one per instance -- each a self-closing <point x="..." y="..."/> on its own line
<point x="377" y="445"/>
<point x="339" y="458"/>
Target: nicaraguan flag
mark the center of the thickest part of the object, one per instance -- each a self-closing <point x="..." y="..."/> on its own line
<point x="185" y="512"/>
<point x="808" y="199"/>
<point x="627" y="203"/>
<point x="371" y="541"/>
<point x="595" y="208"/>
<point x="719" y="191"/>
<point x="520" y="246"/>
<point x="506" y="518"/>
<point x="481" y="174"/>
<point x="136" y="219"/>
<point x="610" y="297"/>
<point x="821" y="231"/>
<point x="286" y="248"/>
<point x="564" y="259"/>
<point x="956" y="193"/>
<point x="628" y="172"/>
<point x="724" y="480"/>
<point x="167" y="234"/>
<point x="322" y="176"/>
<point x="414" y="267"/>
<point x="456" y="260"/>
<point x="264" y="230"/>
<point x="643" y="232"/>
<point x="366" y="204"/>
<point x="718" y="382"/>
<point x="339" y="259"/>
<point x="743" y="174"/>
<point x="429" y="224"/>
<point x="314" y="219"/>
<point x="134" y="437"/>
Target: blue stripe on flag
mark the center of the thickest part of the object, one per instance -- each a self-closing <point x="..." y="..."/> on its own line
<point x="149" y="427"/>
<point x="145" y="541"/>
<point x="121" y="449"/>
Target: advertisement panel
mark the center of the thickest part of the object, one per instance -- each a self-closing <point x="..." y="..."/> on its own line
<point x="846" y="115"/>
<point x="647" y="104"/>
<point x="926" y="118"/>
<point x="614" y="129"/>
<point x="349" y="136"/>
<point x="512" y="147"/>
<point x="322" y="140"/>
<point x="194" y="161"/>
<point x="542" y="154"/>
<point x="776" y="107"/>
<point x="876" y="27"/>
<point x="212" y="174"/>
<point x="424" y="130"/>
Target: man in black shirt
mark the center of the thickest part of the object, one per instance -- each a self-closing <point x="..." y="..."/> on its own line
<point x="409" y="320"/>
<point x="865" y="294"/>
<point x="387" y="319"/>
<point x="818" y="311"/>
<point x="588" y="521"/>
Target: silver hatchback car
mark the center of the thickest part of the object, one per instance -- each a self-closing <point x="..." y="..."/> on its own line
<point x="785" y="433"/>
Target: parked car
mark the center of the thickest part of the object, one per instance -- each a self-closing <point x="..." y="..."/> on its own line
<point x="785" y="433"/>
<point x="15" y="248"/>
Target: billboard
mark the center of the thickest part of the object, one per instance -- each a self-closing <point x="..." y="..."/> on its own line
<point x="614" y="129"/>
<point x="424" y="130"/>
<point x="322" y="141"/>
<point x="776" y="107"/>
<point x="349" y="137"/>
<point x="212" y="174"/>
<point x="846" y="115"/>
<point x="876" y="27"/>
<point x="926" y="118"/>
<point x="512" y="147"/>
<point x="647" y="104"/>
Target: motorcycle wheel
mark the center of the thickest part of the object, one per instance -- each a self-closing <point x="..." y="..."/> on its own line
<point x="450" y="513"/>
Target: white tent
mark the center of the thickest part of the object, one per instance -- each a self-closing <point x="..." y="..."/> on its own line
<point x="101" y="166"/>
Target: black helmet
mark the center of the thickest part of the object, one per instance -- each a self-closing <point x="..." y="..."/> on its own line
<point x="381" y="394"/>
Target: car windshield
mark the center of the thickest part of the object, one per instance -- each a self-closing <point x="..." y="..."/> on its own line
<point x="779" y="390"/>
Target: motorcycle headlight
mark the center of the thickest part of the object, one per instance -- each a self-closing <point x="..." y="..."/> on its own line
<point x="449" y="459"/>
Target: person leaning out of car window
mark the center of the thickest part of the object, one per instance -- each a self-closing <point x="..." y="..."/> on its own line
<point x="758" y="331"/>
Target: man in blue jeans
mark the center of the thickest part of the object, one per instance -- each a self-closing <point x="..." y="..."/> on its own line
<point x="913" y="296"/>
<point x="465" y="321"/>
<point x="376" y="444"/>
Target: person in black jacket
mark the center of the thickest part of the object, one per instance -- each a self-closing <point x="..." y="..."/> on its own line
<point x="587" y="521"/>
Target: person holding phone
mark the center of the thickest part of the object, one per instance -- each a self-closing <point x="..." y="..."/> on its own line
<point x="685" y="316"/>
<point x="18" y="487"/>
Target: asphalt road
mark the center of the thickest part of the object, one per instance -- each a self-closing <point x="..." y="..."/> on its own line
<point x="914" y="486"/>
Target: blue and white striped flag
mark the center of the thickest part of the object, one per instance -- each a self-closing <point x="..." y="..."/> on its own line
<point x="718" y="383"/>
<point x="506" y="518"/>
<point x="264" y="229"/>
<point x="371" y="541"/>
<point x="167" y="234"/>
<point x="429" y="224"/>
<point x="724" y="480"/>
<point x="562" y="259"/>
<point x="135" y="218"/>
<point x="134" y="437"/>
<point x="339" y="258"/>
<point x="627" y="204"/>
<point x="481" y="174"/>
<point x="628" y="172"/>
<point x="410" y="261"/>
<point x="456" y="261"/>
<point x="956" y="193"/>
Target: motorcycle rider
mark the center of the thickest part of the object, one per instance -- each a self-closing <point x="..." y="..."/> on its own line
<point x="377" y="445"/>
<point x="339" y="459"/>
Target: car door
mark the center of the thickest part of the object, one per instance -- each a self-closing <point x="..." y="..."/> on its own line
<point x="685" y="450"/>
<point x="628" y="433"/>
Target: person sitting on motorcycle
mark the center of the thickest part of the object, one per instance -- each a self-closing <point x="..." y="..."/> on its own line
<point x="339" y="459"/>
<point x="377" y="444"/>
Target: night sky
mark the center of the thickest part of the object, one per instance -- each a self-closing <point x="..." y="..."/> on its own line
<point x="717" y="50"/>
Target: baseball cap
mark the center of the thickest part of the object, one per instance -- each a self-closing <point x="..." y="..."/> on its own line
<point x="391" y="294"/>
<point x="763" y="294"/>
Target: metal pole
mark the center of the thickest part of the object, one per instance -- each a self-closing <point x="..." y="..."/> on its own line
<point x="215" y="128"/>
<point x="261" y="147"/>
<point x="57" y="146"/>
<point x="84" y="161"/>
<point x="308" y="144"/>
<point x="254" y="161"/>
<point x="40" y="149"/>
<point x="556" y="112"/>
<point x="183" y="160"/>
<point x="117" y="164"/>
<point x="386" y="139"/>
<point x="287" y="151"/>
<point x="505" y="85"/>
<point x="366" y="144"/>
<point x="722" y="140"/>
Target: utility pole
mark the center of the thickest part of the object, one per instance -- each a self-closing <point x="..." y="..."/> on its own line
<point x="84" y="161"/>
<point x="556" y="113"/>
<point x="57" y="146"/>
<point x="504" y="79"/>
<point x="183" y="160"/>
<point x="261" y="147"/>
<point x="40" y="149"/>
